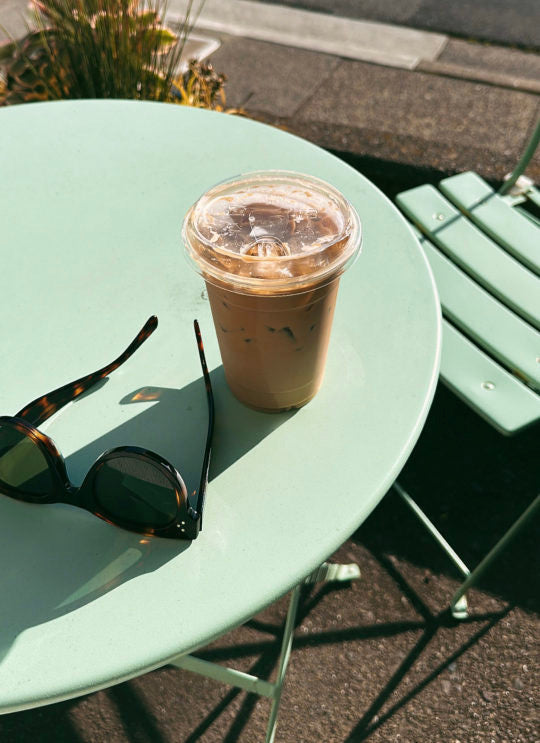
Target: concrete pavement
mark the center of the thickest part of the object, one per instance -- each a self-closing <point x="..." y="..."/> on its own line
<point x="403" y="97"/>
<point x="407" y="117"/>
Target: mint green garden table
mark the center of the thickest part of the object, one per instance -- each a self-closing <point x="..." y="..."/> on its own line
<point x="92" y="196"/>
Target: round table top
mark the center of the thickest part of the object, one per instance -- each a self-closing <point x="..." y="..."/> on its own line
<point x="93" y="195"/>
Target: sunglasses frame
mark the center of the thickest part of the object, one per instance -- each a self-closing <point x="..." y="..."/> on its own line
<point x="188" y="520"/>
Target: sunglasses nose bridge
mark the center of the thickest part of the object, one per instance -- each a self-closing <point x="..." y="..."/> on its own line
<point x="89" y="477"/>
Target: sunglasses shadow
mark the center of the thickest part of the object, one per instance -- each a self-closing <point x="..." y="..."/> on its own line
<point x="174" y="423"/>
<point x="57" y="558"/>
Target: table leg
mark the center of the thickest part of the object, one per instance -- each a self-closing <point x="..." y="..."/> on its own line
<point x="330" y="571"/>
<point x="286" y="646"/>
<point x="246" y="681"/>
<point x="253" y="684"/>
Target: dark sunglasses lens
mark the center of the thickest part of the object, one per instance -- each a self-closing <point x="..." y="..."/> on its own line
<point x="22" y="463"/>
<point x="134" y="490"/>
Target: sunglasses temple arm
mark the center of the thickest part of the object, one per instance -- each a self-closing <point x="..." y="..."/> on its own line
<point x="197" y="512"/>
<point x="43" y="407"/>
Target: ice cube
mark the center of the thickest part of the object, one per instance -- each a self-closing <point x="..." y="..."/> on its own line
<point x="266" y="246"/>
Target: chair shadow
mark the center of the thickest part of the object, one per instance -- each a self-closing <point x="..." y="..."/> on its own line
<point x="57" y="558"/>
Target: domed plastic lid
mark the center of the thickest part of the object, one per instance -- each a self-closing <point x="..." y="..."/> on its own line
<point x="271" y="232"/>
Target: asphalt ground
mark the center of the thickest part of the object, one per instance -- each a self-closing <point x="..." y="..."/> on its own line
<point x="380" y="659"/>
<point x="495" y="21"/>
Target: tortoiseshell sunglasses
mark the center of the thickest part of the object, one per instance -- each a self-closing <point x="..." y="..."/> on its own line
<point x="127" y="486"/>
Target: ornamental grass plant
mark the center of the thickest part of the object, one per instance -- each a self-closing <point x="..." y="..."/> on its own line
<point x="106" y="49"/>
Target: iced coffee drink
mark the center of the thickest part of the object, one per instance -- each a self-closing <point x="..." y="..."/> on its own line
<point x="271" y="247"/>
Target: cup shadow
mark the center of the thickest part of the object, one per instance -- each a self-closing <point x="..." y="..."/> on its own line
<point x="58" y="558"/>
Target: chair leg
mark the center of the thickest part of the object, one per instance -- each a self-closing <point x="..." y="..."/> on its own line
<point x="483" y="565"/>
<point x="458" y="605"/>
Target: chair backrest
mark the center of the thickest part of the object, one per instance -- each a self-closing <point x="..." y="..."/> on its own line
<point x="485" y="256"/>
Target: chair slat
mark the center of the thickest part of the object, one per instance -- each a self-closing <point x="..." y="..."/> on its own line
<point x="487" y="321"/>
<point x="492" y="392"/>
<point x="533" y="194"/>
<point x="528" y="215"/>
<point x="473" y="196"/>
<point x="476" y="253"/>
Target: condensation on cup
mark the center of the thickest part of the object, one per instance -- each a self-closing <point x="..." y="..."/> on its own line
<point x="271" y="247"/>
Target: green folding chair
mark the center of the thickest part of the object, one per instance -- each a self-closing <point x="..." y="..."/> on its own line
<point x="484" y="250"/>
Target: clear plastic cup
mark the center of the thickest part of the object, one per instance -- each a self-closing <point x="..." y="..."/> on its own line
<point x="271" y="247"/>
